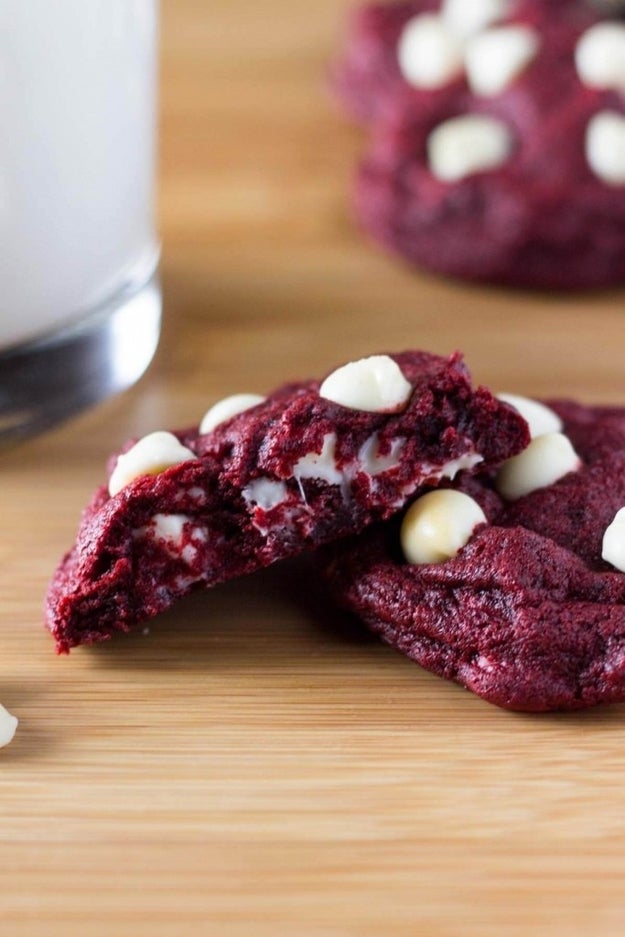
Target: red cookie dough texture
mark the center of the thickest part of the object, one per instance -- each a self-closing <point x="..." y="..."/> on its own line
<point x="528" y="614"/>
<point x="543" y="206"/>
<point x="284" y="476"/>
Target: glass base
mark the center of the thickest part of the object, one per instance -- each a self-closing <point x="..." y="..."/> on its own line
<point x="51" y="379"/>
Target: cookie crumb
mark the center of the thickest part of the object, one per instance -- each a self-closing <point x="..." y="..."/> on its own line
<point x="8" y="725"/>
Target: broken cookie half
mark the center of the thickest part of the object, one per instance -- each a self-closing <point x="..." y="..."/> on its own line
<point x="509" y="583"/>
<point x="261" y="479"/>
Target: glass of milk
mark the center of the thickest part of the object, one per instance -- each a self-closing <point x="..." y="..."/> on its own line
<point x="79" y="296"/>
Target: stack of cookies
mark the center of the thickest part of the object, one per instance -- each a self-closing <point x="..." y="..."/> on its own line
<point x="482" y="535"/>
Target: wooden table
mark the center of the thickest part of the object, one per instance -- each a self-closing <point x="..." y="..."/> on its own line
<point x="256" y="766"/>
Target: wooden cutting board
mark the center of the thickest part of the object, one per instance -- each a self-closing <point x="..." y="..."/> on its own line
<point x="255" y="764"/>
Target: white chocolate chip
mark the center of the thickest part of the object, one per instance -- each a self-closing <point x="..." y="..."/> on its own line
<point x="321" y="465"/>
<point x="188" y="554"/>
<point x="613" y="547"/>
<point x="227" y="408"/>
<point x="469" y="144"/>
<point x="372" y="462"/>
<point x="605" y="146"/>
<point x="464" y="462"/>
<point x="168" y="531"/>
<point x="497" y="56"/>
<point x="266" y="493"/>
<point x="8" y="725"/>
<point x="539" y="418"/>
<point x="600" y="56"/>
<point x="150" y="456"/>
<point x="466" y="17"/>
<point x="375" y="385"/>
<point x="170" y="526"/>
<point x="546" y="459"/>
<point x="429" y="53"/>
<point x="438" y="525"/>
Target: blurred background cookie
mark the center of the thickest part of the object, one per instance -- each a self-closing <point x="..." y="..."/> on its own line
<point x="497" y="146"/>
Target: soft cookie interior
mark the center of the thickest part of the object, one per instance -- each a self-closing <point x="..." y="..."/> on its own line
<point x="265" y="478"/>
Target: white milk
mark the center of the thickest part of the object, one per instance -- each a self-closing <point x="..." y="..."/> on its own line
<point x="77" y="101"/>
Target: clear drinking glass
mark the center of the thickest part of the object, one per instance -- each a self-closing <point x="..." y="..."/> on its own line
<point x="79" y="295"/>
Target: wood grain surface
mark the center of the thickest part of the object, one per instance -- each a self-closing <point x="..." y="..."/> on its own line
<point x="255" y="765"/>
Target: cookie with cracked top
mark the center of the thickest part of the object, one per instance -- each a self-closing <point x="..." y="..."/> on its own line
<point x="530" y="612"/>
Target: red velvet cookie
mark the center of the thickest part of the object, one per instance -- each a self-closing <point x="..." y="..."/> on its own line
<point x="310" y="463"/>
<point x="530" y="612"/>
<point x="498" y="144"/>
